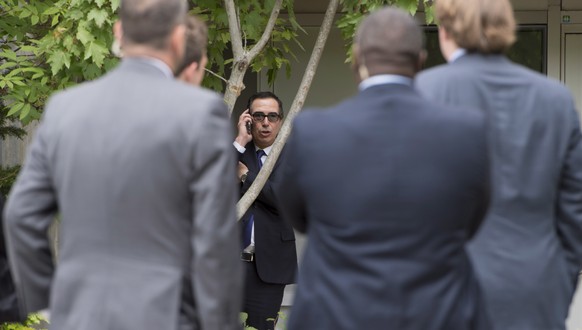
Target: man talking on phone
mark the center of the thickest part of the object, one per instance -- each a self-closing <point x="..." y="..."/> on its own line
<point x="268" y="250"/>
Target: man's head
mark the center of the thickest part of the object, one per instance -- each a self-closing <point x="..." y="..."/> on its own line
<point x="267" y="112"/>
<point x="388" y="41"/>
<point x="482" y="26"/>
<point x="153" y="27"/>
<point x="192" y="68"/>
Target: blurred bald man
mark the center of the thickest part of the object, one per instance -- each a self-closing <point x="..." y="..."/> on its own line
<point x="404" y="187"/>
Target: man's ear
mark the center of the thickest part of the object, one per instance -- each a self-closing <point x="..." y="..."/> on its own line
<point x="358" y="65"/>
<point x="178" y="42"/>
<point x="118" y="31"/>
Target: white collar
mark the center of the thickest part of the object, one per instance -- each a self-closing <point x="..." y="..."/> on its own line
<point x="382" y="79"/>
<point x="457" y="54"/>
<point x="267" y="150"/>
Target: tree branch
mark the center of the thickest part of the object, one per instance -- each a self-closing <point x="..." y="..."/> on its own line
<point x="234" y="28"/>
<point x="249" y="197"/>
<point x="216" y="75"/>
<point x="258" y="47"/>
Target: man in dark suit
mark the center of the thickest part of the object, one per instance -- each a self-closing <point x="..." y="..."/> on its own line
<point x="529" y="252"/>
<point x="389" y="188"/>
<point x="140" y="167"/>
<point x="269" y="253"/>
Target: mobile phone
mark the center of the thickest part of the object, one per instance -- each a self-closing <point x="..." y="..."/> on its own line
<point x="248" y="124"/>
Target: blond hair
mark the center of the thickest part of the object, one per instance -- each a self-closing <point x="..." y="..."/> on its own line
<point x="483" y="26"/>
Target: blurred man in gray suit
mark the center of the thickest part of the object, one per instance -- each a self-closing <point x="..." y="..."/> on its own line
<point x="141" y="169"/>
<point x="529" y="250"/>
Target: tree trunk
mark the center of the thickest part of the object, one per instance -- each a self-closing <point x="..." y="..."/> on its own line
<point x="235" y="83"/>
<point x="249" y="197"/>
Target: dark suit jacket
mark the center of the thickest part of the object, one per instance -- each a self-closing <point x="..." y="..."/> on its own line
<point x="275" y="252"/>
<point x="389" y="189"/>
<point x="529" y="252"/>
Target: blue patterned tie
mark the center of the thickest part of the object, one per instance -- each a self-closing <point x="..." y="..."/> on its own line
<point x="248" y="227"/>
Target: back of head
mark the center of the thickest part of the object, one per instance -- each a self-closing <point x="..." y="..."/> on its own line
<point x="196" y="41"/>
<point x="388" y="40"/>
<point x="150" y="22"/>
<point x="483" y="26"/>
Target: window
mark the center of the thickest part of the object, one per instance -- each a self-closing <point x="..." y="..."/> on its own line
<point x="529" y="49"/>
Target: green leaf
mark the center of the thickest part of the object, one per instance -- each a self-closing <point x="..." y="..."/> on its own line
<point x="100" y="3"/>
<point x="25" y="111"/>
<point x="25" y="13"/>
<point x="55" y="20"/>
<point x="7" y="65"/>
<point x="84" y="36"/>
<point x="9" y="54"/>
<point x="99" y="16"/>
<point x="14" y="108"/>
<point x="75" y="14"/>
<point x="114" y="5"/>
<point x="97" y="52"/>
<point x="51" y="10"/>
<point x="56" y="61"/>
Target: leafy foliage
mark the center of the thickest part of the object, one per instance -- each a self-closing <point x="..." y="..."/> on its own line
<point x="32" y="323"/>
<point x="355" y="10"/>
<point x="254" y="15"/>
<point x="7" y="178"/>
<point x="49" y="45"/>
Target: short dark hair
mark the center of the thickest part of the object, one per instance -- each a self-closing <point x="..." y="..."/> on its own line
<point x="389" y="37"/>
<point x="196" y="41"/>
<point x="265" y="95"/>
<point x="150" y="22"/>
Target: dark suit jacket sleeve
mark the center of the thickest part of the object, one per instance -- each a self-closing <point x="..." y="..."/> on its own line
<point x="267" y="195"/>
<point x="569" y="204"/>
<point x="292" y="201"/>
<point x="29" y="211"/>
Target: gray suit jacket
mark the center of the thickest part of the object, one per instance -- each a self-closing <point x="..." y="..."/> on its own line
<point x="141" y="169"/>
<point x="529" y="250"/>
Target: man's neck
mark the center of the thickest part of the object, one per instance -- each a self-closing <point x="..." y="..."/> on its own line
<point x="147" y="52"/>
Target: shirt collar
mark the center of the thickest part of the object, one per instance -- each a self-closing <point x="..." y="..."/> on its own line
<point x="457" y="54"/>
<point x="267" y="150"/>
<point x="382" y="79"/>
<point x="157" y="63"/>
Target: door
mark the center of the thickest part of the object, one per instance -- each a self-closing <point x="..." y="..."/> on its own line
<point x="572" y="77"/>
<point x="572" y="61"/>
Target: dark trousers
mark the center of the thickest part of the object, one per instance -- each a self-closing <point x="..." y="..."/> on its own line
<point x="262" y="301"/>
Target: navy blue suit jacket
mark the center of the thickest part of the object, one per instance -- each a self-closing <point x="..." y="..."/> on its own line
<point x="275" y="253"/>
<point x="389" y="189"/>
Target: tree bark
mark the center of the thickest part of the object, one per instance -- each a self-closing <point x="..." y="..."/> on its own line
<point x="249" y="197"/>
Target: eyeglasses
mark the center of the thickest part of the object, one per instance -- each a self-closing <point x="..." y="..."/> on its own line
<point x="260" y="116"/>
